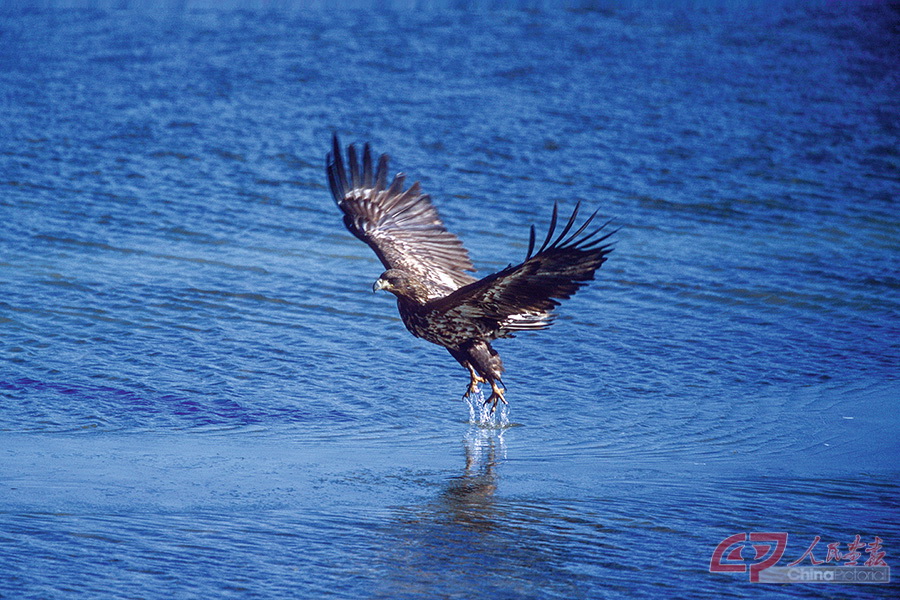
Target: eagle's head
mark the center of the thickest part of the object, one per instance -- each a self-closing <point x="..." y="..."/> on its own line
<point x="401" y="284"/>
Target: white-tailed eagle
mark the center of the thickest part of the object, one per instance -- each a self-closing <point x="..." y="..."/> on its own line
<point x="428" y="270"/>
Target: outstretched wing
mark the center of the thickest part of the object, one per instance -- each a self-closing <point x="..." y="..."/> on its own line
<point x="401" y="226"/>
<point x="521" y="297"/>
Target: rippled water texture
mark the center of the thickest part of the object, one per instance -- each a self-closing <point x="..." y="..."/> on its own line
<point x="201" y="397"/>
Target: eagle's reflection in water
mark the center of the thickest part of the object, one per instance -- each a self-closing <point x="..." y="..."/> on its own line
<point x="472" y="540"/>
<point x="469" y="498"/>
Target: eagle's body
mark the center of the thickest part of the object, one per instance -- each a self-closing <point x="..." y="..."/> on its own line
<point x="428" y="270"/>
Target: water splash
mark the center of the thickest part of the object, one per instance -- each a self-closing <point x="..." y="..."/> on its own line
<point x="484" y="447"/>
<point x="480" y="413"/>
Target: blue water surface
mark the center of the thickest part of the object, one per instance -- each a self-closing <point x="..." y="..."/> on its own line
<point x="200" y="397"/>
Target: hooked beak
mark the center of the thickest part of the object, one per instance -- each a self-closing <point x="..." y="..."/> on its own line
<point x="380" y="284"/>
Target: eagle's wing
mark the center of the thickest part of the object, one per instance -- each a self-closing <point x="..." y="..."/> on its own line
<point x="521" y="297"/>
<point x="401" y="226"/>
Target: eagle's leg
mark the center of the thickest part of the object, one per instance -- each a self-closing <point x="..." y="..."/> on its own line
<point x="497" y="392"/>
<point x="474" y="380"/>
<point x="484" y="366"/>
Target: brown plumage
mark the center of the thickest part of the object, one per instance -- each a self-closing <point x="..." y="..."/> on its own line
<point x="428" y="268"/>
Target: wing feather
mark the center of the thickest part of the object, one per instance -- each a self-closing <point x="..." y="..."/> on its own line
<point x="522" y="297"/>
<point x="400" y="225"/>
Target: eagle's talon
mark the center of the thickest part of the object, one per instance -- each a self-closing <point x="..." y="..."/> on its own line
<point x="475" y="381"/>
<point x="473" y="390"/>
<point x="496" y="395"/>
